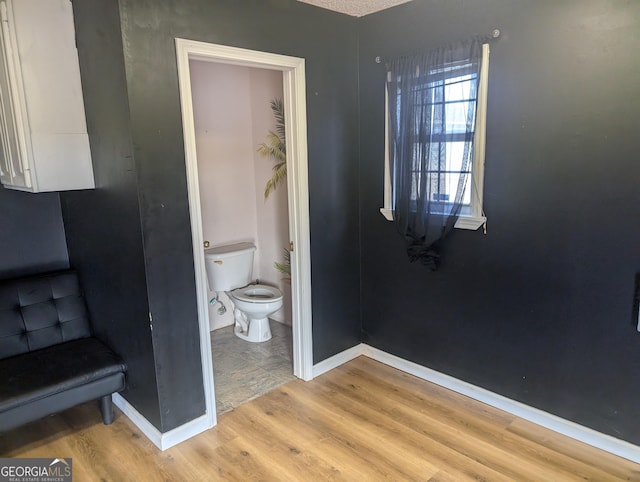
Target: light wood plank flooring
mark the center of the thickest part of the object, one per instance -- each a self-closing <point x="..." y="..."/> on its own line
<point x="363" y="421"/>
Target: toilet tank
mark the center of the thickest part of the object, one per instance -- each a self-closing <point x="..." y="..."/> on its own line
<point x="230" y="266"/>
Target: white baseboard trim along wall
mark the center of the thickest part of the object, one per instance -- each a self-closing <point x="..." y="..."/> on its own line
<point x="338" y="359"/>
<point x="161" y="440"/>
<point x="565" y="427"/>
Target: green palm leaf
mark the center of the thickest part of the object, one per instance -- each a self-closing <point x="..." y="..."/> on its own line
<point x="279" y="174"/>
<point x="277" y="107"/>
<point x="275" y="148"/>
<point x="285" y="267"/>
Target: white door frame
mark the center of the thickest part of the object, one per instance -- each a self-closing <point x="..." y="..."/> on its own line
<point x="293" y="70"/>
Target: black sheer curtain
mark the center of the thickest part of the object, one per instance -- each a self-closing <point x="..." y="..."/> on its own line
<point x="432" y="114"/>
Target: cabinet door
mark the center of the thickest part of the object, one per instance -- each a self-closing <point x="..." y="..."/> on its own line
<point x="12" y="171"/>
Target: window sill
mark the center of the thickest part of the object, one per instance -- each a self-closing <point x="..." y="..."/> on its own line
<point x="387" y="213"/>
<point x="463" y="222"/>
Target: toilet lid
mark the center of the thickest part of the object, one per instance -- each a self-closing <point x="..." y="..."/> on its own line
<point x="257" y="294"/>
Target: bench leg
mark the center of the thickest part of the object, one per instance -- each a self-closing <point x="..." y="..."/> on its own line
<point x="106" y="407"/>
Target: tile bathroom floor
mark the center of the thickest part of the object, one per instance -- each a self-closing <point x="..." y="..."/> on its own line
<point x="243" y="370"/>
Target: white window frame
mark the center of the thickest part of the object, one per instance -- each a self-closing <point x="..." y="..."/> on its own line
<point x="477" y="217"/>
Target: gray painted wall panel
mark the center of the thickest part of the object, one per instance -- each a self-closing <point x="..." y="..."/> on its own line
<point x="32" y="238"/>
<point x="538" y="310"/>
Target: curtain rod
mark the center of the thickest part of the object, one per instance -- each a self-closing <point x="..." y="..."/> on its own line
<point x="495" y="33"/>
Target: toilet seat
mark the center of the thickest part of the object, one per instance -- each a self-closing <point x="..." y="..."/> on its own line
<point x="257" y="294"/>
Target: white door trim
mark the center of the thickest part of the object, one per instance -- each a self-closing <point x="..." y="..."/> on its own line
<point x="295" y="105"/>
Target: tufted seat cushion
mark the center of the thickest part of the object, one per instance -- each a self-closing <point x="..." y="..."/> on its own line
<point x="48" y="359"/>
<point x="41" y="311"/>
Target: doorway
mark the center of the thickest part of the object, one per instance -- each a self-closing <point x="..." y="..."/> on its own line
<point x="294" y="102"/>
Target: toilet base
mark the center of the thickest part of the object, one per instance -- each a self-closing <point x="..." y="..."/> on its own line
<point x="259" y="330"/>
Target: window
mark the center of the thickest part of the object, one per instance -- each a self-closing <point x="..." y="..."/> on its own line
<point x="450" y="88"/>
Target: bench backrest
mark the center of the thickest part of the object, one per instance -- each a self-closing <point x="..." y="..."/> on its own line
<point x="41" y="311"/>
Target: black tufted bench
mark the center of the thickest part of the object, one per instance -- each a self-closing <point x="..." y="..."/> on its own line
<point x="49" y="360"/>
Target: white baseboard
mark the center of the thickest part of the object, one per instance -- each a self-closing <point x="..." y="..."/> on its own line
<point x="583" y="434"/>
<point x="161" y="440"/>
<point x="339" y="359"/>
<point x="573" y="430"/>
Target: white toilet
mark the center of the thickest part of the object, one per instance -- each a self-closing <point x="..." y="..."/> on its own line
<point x="229" y="270"/>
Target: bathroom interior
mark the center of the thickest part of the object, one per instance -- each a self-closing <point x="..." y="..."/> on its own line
<point x="232" y="118"/>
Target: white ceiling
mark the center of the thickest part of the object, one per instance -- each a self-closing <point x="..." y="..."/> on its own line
<point x="356" y="8"/>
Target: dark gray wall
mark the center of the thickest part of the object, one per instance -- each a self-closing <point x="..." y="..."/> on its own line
<point x="328" y="43"/>
<point x="538" y="310"/>
<point x="32" y="236"/>
<point x="131" y="237"/>
<point x="103" y="225"/>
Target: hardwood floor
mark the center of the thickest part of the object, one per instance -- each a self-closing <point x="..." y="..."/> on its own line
<point x="363" y="421"/>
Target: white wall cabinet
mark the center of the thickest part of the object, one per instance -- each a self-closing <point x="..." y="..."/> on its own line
<point x="45" y="146"/>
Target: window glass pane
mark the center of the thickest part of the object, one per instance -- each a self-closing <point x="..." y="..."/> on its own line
<point x="455" y="153"/>
<point x="436" y="150"/>
<point x="440" y="109"/>
<point x="452" y="187"/>
<point x="445" y="156"/>
<point x="444" y="186"/>
<point x="456" y="117"/>
<point x="445" y="164"/>
<point x="437" y="190"/>
<point x="458" y="88"/>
